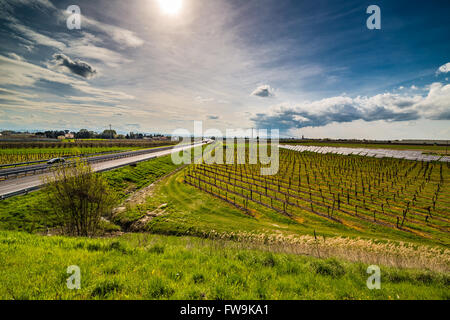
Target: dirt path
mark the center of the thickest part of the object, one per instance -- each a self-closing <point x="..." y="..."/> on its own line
<point x="138" y="197"/>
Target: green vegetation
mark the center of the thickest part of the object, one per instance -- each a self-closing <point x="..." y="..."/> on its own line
<point x="143" y="266"/>
<point x="31" y="212"/>
<point x="401" y="198"/>
<point x="122" y="143"/>
<point x="9" y="156"/>
<point x="225" y="232"/>
<point x="18" y="155"/>
<point x="176" y="208"/>
<point x="79" y="199"/>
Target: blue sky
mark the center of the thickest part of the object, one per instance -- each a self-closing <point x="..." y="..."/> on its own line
<point x="306" y="67"/>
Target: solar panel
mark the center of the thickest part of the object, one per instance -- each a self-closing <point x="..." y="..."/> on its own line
<point x="377" y="153"/>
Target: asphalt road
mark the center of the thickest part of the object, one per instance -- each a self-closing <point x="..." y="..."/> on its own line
<point x="31" y="182"/>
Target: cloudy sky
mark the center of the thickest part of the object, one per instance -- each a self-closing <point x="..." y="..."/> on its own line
<point x="308" y="68"/>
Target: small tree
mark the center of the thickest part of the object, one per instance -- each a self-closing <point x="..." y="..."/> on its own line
<point x="79" y="198"/>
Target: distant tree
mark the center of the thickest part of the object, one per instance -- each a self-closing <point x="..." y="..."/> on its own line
<point x="84" y="134"/>
<point x="79" y="198"/>
<point x="108" y="134"/>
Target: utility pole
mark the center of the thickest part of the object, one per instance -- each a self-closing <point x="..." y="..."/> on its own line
<point x="110" y="131"/>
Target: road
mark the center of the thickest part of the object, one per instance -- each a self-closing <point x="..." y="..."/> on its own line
<point x="29" y="183"/>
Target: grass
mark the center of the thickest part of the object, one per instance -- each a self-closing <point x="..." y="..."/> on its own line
<point x="187" y="252"/>
<point x="30" y="212"/>
<point x="193" y="211"/>
<point x="143" y="266"/>
<point x="189" y="211"/>
<point x="343" y="192"/>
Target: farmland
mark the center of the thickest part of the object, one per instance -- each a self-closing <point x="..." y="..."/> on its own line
<point x="14" y="152"/>
<point x="9" y="156"/>
<point x="224" y="231"/>
<point x="396" y="196"/>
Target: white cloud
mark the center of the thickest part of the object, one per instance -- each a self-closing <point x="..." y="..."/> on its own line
<point x="15" y="56"/>
<point x="122" y="36"/>
<point x="203" y="100"/>
<point x="25" y="74"/>
<point x="22" y="73"/>
<point x="342" y="109"/>
<point x="34" y="36"/>
<point x="263" y="91"/>
<point x="444" y="68"/>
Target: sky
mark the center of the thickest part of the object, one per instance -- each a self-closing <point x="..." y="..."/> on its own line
<point x="309" y="68"/>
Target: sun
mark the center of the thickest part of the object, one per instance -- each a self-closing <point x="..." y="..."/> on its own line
<point x="171" y="6"/>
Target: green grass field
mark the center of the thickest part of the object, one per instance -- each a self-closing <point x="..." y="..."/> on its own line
<point x="195" y="245"/>
<point x="143" y="266"/>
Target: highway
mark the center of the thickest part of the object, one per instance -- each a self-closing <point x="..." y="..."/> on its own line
<point x="23" y="184"/>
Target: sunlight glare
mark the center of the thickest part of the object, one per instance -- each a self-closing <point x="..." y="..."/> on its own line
<point x="170" y="6"/>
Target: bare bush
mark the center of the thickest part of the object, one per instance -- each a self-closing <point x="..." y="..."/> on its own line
<point x="79" y="198"/>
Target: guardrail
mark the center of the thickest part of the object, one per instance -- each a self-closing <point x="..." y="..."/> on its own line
<point x="27" y="190"/>
<point x="5" y="173"/>
<point x="18" y="193"/>
<point x="18" y="164"/>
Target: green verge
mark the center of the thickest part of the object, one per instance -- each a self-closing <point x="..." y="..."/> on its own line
<point x="143" y="266"/>
<point x="30" y="213"/>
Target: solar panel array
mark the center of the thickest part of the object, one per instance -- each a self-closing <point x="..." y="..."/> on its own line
<point x="376" y="153"/>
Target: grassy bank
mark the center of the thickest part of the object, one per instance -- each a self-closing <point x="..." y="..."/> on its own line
<point x="142" y="266"/>
<point x="30" y="212"/>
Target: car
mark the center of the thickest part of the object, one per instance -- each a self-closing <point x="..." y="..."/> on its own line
<point x="56" y="160"/>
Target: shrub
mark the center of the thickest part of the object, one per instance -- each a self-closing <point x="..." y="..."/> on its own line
<point x="79" y="198"/>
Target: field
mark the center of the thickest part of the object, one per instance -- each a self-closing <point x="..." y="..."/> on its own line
<point x="16" y="152"/>
<point x="143" y="266"/>
<point x="226" y="232"/>
<point x="360" y="193"/>
<point x="10" y="156"/>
